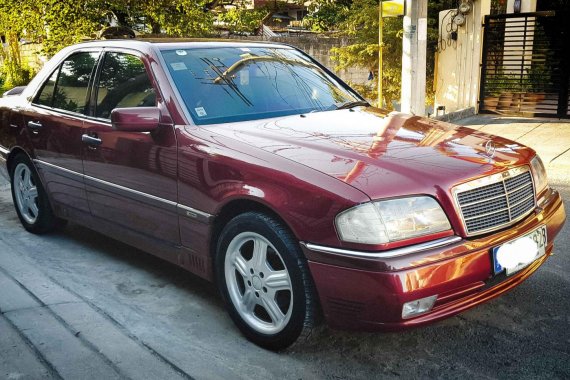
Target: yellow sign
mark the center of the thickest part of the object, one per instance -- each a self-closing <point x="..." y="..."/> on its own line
<point x="393" y="8"/>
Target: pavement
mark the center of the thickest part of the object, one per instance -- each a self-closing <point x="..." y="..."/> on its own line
<point x="78" y="305"/>
<point x="52" y="332"/>
<point x="549" y="137"/>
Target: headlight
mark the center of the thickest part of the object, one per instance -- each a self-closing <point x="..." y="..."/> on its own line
<point x="539" y="174"/>
<point x="391" y="220"/>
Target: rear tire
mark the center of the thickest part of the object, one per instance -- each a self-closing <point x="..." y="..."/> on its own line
<point x="265" y="282"/>
<point x="30" y="198"/>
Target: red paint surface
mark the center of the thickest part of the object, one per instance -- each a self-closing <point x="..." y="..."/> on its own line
<point x="305" y="170"/>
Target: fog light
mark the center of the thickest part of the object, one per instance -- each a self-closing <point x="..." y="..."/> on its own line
<point x="413" y="308"/>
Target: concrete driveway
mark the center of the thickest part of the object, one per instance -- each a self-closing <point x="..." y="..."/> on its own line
<point x="78" y="305"/>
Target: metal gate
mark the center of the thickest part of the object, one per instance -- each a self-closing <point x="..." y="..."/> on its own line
<point x="526" y="64"/>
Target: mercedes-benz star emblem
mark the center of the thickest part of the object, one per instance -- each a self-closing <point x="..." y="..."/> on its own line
<point x="490" y="149"/>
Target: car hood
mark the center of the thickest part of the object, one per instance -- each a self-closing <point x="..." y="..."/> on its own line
<point x="382" y="154"/>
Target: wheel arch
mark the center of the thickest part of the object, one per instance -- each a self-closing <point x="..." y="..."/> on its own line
<point x="314" y="314"/>
<point x="14" y="152"/>
<point x="237" y="207"/>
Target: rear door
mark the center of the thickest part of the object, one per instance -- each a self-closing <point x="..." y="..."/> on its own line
<point x="54" y="122"/>
<point x="130" y="177"/>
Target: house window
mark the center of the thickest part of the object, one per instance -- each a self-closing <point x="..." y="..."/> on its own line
<point x="498" y="7"/>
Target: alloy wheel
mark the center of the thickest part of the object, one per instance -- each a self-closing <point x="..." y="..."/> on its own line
<point x="258" y="283"/>
<point x="26" y="193"/>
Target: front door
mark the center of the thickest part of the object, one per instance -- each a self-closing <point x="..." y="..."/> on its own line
<point x="130" y="177"/>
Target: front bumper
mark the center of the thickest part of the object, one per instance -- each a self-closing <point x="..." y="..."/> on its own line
<point x="367" y="293"/>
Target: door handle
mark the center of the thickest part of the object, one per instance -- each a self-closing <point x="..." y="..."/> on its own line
<point x="35" y="125"/>
<point x="91" y="140"/>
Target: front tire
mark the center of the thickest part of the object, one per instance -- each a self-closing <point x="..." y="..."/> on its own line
<point x="264" y="280"/>
<point x="30" y="199"/>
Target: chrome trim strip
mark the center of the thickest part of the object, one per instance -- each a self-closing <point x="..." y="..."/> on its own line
<point x="490" y="180"/>
<point x="129" y="190"/>
<point x="487" y="214"/>
<point x="4" y="151"/>
<point x="520" y="187"/>
<point x="484" y="200"/>
<point x="523" y="200"/>
<point x="509" y="207"/>
<point x="385" y="254"/>
<point x="182" y="209"/>
<point x="135" y="195"/>
<point x="43" y="163"/>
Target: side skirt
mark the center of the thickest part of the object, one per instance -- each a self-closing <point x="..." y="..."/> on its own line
<point x="178" y="255"/>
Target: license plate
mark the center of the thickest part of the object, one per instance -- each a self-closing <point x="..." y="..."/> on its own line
<point x="517" y="254"/>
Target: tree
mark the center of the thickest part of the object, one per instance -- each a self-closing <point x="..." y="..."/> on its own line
<point x="361" y="24"/>
<point x="179" y="18"/>
<point x="65" y="22"/>
<point x="358" y="19"/>
<point x="242" y="20"/>
<point x="15" y="18"/>
<point x="327" y="15"/>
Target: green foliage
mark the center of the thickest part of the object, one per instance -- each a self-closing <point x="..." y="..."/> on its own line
<point x="180" y="18"/>
<point x="358" y="19"/>
<point x="362" y="26"/>
<point x="67" y="22"/>
<point x="15" y="17"/>
<point x="59" y="23"/>
<point x="327" y="15"/>
<point x="368" y="91"/>
<point x="241" y="20"/>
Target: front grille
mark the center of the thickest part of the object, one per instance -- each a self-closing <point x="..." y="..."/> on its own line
<point x="496" y="201"/>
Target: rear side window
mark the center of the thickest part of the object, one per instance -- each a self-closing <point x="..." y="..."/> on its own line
<point x="69" y="92"/>
<point x="45" y="96"/>
<point x="123" y="82"/>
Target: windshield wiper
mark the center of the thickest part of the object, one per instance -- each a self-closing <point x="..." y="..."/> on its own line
<point x="351" y="104"/>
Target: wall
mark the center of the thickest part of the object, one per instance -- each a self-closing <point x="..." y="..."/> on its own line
<point x="31" y="55"/>
<point x="458" y="71"/>
<point x="458" y="63"/>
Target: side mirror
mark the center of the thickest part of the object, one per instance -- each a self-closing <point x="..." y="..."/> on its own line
<point x="135" y="119"/>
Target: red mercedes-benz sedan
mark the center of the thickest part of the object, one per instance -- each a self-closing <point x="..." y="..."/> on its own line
<point x="251" y="165"/>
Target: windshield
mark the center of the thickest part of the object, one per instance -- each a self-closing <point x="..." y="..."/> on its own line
<point x="221" y="85"/>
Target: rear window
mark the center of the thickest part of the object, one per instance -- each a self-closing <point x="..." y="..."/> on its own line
<point x="221" y="85"/>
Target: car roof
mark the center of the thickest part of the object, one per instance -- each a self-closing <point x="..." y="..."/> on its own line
<point x="180" y="43"/>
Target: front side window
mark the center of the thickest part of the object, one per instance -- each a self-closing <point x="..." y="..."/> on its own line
<point x="221" y="85"/>
<point x="123" y="82"/>
<point x="69" y="91"/>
